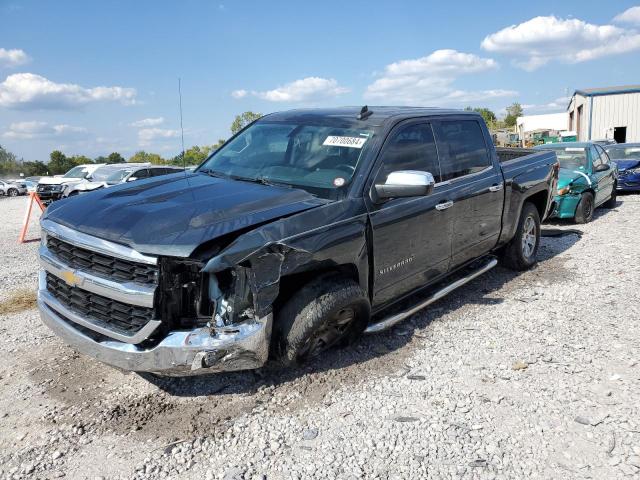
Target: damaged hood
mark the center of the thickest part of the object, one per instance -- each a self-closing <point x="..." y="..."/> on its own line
<point x="58" y="180"/>
<point x="568" y="176"/>
<point x="627" y="164"/>
<point x="173" y="214"/>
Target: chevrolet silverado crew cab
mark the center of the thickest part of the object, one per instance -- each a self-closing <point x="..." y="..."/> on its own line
<point x="296" y="235"/>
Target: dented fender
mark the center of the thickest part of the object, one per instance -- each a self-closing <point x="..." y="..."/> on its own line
<point x="328" y="236"/>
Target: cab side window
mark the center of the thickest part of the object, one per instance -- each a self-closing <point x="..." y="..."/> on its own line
<point x="411" y="147"/>
<point x="462" y="148"/>
<point x="595" y="157"/>
<point x="140" y="174"/>
<point x="603" y="154"/>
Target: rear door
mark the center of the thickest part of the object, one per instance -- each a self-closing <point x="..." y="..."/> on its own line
<point x="606" y="179"/>
<point x="411" y="236"/>
<point x="475" y="186"/>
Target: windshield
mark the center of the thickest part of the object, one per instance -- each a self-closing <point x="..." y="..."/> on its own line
<point x="572" y="157"/>
<point x="76" y="172"/>
<point x="103" y="173"/>
<point x="320" y="159"/>
<point x="623" y="153"/>
<point x="117" y="176"/>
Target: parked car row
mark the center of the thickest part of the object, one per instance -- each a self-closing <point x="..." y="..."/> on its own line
<point x="12" y="188"/>
<point x="90" y="177"/>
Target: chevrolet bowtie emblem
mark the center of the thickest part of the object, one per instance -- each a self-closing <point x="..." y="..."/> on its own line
<point x="71" y="278"/>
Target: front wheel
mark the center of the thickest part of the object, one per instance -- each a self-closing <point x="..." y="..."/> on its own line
<point x="12" y="192"/>
<point x="520" y="253"/>
<point x="584" y="210"/>
<point x="324" y="313"/>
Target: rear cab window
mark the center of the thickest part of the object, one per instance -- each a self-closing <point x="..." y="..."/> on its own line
<point x="462" y="148"/>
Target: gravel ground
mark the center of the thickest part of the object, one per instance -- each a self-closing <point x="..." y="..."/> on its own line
<point x="535" y="375"/>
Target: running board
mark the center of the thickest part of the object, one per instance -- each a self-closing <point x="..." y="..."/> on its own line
<point x="398" y="317"/>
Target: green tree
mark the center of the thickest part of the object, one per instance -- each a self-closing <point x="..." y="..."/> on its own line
<point x="80" y="160"/>
<point x="36" y="168"/>
<point x="115" y="157"/>
<point x="58" y="162"/>
<point x="145" y="157"/>
<point x="243" y="120"/>
<point x="488" y="115"/>
<point x="513" y="112"/>
<point x="8" y="162"/>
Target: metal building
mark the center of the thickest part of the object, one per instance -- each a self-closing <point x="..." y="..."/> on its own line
<point x="611" y="113"/>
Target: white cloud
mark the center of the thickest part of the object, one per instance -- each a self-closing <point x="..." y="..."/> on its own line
<point x="559" y="103"/>
<point x="430" y="79"/>
<point x="146" y="136"/>
<point x="303" y="90"/>
<point x="538" y="41"/>
<point x="35" y="130"/>
<point x="13" y="57"/>
<point x="147" y="122"/>
<point x="631" y="15"/>
<point x="28" y="91"/>
<point x="239" y="93"/>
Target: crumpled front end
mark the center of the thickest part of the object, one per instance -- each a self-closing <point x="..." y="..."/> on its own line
<point x="144" y="313"/>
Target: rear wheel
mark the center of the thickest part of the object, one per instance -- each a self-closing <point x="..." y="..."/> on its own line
<point x="520" y="253"/>
<point x="326" y="312"/>
<point x="584" y="210"/>
<point x="613" y="200"/>
<point x="12" y="192"/>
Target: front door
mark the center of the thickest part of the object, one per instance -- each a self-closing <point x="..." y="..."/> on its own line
<point x="411" y="236"/>
<point x="475" y="185"/>
<point x="604" y="180"/>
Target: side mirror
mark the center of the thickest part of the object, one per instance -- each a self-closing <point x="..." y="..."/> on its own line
<point x="603" y="167"/>
<point x="404" y="183"/>
<point x="132" y="179"/>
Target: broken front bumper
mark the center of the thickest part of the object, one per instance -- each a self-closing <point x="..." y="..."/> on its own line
<point x="198" y="351"/>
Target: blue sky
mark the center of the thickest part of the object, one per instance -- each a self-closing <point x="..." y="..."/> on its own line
<point x="92" y="78"/>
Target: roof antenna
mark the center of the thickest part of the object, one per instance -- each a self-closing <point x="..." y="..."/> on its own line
<point x="184" y="161"/>
<point x="364" y="113"/>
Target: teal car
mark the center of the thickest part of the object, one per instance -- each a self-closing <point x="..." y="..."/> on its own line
<point x="587" y="180"/>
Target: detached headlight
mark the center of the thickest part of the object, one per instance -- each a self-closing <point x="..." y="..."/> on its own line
<point x="564" y="190"/>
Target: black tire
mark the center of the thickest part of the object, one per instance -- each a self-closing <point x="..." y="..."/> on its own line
<point x="12" y="192"/>
<point x="521" y="252"/>
<point x="585" y="208"/>
<point x="316" y="319"/>
<point x="613" y="199"/>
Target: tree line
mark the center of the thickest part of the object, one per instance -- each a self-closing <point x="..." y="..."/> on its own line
<point x="509" y="121"/>
<point x="59" y="163"/>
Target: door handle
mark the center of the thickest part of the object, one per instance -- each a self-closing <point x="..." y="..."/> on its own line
<point x="495" y="188"/>
<point x="444" y="205"/>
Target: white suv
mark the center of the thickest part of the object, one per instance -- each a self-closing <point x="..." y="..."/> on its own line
<point x="53" y="188"/>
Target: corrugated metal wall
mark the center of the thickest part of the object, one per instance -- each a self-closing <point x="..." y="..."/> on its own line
<point x="622" y="110"/>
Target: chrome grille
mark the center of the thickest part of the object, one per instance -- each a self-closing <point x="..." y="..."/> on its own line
<point x="105" y="266"/>
<point x="122" y="316"/>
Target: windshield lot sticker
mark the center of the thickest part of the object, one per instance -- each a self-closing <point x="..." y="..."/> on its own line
<point x="351" y="142"/>
<point x="338" y="182"/>
<point x="574" y="149"/>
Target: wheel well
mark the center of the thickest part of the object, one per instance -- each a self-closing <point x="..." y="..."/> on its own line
<point x="290" y="284"/>
<point x="539" y="200"/>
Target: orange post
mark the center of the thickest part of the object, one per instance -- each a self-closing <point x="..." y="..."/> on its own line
<point x="33" y="197"/>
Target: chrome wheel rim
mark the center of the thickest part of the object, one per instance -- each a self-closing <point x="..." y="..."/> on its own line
<point x="329" y="334"/>
<point x="529" y="237"/>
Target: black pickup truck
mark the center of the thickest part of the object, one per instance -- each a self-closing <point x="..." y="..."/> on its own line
<point x="297" y="235"/>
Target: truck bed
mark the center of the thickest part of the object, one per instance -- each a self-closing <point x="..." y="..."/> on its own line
<point x="510" y="153"/>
